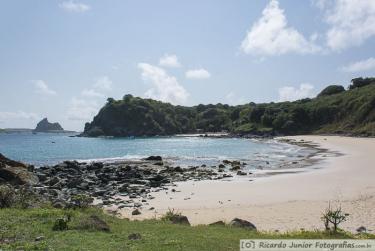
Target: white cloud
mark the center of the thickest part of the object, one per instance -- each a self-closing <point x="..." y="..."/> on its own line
<point x="82" y="110"/>
<point x="42" y="88"/>
<point x="169" y="61"/>
<point x="72" y="6"/>
<point x="232" y="99"/>
<point x="271" y="35"/>
<point x="165" y="87"/>
<point x="6" y="116"/>
<point x="364" y="65"/>
<point x="18" y="115"/>
<point x="91" y="93"/>
<point x="198" y="74"/>
<point x="289" y="93"/>
<point x="103" y="83"/>
<point x="351" y="22"/>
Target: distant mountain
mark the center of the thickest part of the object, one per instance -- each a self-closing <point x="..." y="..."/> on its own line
<point x="335" y="110"/>
<point x="45" y="126"/>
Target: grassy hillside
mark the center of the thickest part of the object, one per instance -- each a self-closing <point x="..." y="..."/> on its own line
<point x="334" y="110"/>
<point x="31" y="229"/>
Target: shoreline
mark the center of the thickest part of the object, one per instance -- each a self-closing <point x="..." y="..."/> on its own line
<point x="283" y="202"/>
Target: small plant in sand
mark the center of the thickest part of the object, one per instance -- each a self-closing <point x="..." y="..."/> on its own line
<point x="168" y="216"/>
<point x="334" y="217"/>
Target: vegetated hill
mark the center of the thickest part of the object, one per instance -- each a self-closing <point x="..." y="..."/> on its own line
<point x="333" y="111"/>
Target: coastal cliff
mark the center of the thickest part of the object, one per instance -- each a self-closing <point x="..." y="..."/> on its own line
<point x="334" y="110"/>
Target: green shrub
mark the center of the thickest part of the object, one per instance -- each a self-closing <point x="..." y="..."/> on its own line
<point x="7" y="196"/>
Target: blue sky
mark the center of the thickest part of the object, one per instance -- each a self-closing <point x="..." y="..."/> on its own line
<point x="62" y="59"/>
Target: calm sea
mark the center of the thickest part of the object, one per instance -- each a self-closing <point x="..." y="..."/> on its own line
<point x="48" y="149"/>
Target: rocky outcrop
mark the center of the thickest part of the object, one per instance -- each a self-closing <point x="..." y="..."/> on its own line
<point x="236" y="222"/>
<point x="16" y="173"/>
<point x="45" y="126"/>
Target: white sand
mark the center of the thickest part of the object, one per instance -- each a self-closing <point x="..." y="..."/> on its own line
<point x="288" y="201"/>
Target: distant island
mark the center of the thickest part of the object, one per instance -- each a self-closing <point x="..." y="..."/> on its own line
<point x="45" y="126"/>
<point x="335" y="110"/>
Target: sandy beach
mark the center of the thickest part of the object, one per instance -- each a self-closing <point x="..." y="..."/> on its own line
<point x="288" y="201"/>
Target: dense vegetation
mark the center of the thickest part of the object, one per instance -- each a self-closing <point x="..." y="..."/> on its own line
<point x="335" y="110"/>
<point x="32" y="229"/>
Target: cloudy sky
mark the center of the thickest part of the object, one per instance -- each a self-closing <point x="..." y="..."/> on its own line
<point x="62" y="59"/>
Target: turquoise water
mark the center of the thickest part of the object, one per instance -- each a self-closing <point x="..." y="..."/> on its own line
<point x="48" y="149"/>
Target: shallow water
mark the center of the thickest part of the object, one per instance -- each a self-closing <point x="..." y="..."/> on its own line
<point x="48" y="149"/>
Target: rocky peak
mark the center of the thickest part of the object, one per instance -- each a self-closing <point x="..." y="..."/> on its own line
<point x="45" y="126"/>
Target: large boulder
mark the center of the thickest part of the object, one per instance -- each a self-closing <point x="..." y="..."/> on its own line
<point x="236" y="222"/>
<point x="16" y="173"/>
<point x="180" y="219"/>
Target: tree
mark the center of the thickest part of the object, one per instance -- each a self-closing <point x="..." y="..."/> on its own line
<point x="335" y="217"/>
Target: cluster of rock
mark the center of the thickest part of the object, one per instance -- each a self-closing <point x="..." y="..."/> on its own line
<point x="109" y="181"/>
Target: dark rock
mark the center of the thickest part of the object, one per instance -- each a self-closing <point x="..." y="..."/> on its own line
<point x="5" y="161"/>
<point x="236" y="222"/>
<point x="235" y="168"/>
<point x="154" y="158"/>
<point x="241" y="173"/>
<point x="180" y="219"/>
<point x="217" y="223"/>
<point x="361" y="229"/>
<point x="134" y="236"/>
<point x="221" y="166"/>
<point x="136" y="212"/>
<point x="98" y="224"/>
<point x="59" y="204"/>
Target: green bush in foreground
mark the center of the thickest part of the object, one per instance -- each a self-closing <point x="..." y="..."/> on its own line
<point x="31" y="229"/>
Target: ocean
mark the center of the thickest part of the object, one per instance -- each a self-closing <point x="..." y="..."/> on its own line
<point x="51" y="148"/>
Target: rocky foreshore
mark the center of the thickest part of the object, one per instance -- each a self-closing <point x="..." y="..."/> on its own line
<point x="106" y="182"/>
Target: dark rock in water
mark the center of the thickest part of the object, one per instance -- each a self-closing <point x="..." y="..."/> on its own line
<point x="136" y="212"/>
<point x="235" y="168"/>
<point x="154" y="158"/>
<point x="221" y="166"/>
<point x="236" y="222"/>
<point x="180" y="219"/>
<point x="241" y="173"/>
<point x="45" y="126"/>
<point x="134" y="236"/>
<point x="16" y="173"/>
<point x="217" y="223"/>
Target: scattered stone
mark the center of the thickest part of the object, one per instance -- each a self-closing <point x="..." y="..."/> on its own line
<point x="135" y="236"/>
<point x="361" y="229"/>
<point x="180" y="219"/>
<point x="236" y="222"/>
<point x="39" y="238"/>
<point x="241" y="173"/>
<point x="154" y="158"/>
<point x="151" y="208"/>
<point x="235" y="168"/>
<point x="136" y="212"/>
<point x="217" y="223"/>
